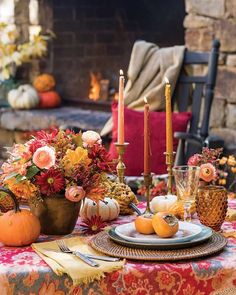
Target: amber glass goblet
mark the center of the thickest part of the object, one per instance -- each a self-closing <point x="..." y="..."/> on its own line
<point x="211" y="205"/>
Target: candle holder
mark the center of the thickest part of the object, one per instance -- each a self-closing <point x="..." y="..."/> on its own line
<point x="148" y="183"/>
<point x="169" y="162"/>
<point x="120" y="167"/>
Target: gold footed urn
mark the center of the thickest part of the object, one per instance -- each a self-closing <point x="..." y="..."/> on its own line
<point x="56" y="214"/>
<point x="211" y="205"/>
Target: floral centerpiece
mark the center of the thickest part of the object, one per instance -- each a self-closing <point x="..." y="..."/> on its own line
<point x="59" y="165"/>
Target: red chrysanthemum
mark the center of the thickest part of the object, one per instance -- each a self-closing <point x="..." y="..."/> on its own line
<point x="50" y="182"/>
<point x="101" y="158"/>
<point x="46" y="136"/>
<point x="92" y="225"/>
<point x="35" y="144"/>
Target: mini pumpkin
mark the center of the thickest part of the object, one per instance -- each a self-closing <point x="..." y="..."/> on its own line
<point x="18" y="227"/>
<point x="44" y="82"/>
<point x="24" y="97"/>
<point x="108" y="209"/>
<point x="50" y="99"/>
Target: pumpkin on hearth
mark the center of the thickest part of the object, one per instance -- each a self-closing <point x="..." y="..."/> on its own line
<point x="24" y="97"/>
<point x="18" y="227"/>
<point x="108" y="209"/>
<point x="44" y="83"/>
<point x="50" y="99"/>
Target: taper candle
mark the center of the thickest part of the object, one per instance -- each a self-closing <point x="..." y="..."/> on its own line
<point x="121" y="136"/>
<point x="146" y="138"/>
<point x="169" y="133"/>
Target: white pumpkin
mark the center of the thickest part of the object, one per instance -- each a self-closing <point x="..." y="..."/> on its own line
<point x="108" y="209"/>
<point x="24" y="97"/>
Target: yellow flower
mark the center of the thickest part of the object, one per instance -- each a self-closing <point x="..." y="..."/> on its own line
<point x="222" y="181"/>
<point x="233" y="169"/>
<point x="223" y="160"/>
<point x="73" y="157"/>
<point x="22" y="189"/>
<point x="231" y="161"/>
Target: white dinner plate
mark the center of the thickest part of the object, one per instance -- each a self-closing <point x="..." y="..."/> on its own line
<point x="186" y="232"/>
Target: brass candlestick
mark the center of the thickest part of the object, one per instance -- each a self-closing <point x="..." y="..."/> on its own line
<point x="169" y="163"/>
<point x="147" y="183"/>
<point x="120" y="168"/>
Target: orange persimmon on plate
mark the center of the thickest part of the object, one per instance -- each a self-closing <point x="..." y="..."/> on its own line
<point x="143" y="224"/>
<point x="165" y="224"/>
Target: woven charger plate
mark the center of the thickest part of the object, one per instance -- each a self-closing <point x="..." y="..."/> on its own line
<point x="101" y="242"/>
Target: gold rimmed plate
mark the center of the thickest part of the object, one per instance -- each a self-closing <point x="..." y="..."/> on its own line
<point x="203" y="236"/>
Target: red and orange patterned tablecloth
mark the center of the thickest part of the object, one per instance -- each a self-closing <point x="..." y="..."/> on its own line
<point x="23" y="272"/>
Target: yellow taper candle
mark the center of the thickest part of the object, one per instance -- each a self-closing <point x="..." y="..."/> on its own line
<point x="121" y="135"/>
<point x="169" y="132"/>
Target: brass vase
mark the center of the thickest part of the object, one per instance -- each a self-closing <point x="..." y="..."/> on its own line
<point x="211" y="205"/>
<point x="56" y="214"/>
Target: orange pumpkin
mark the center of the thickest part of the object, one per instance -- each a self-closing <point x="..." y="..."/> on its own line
<point x="50" y="99"/>
<point x="44" y="82"/>
<point x="165" y="224"/>
<point x="143" y="224"/>
<point x="18" y="227"/>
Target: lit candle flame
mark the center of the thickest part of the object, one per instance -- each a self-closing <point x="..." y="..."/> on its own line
<point x="121" y="73"/>
<point x="145" y="99"/>
<point x="166" y="80"/>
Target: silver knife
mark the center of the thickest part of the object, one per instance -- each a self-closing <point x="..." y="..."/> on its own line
<point x="85" y="258"/>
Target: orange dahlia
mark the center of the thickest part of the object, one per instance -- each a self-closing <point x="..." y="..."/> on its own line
<point x="207" y="172"/>
<point x="23" y="189"/>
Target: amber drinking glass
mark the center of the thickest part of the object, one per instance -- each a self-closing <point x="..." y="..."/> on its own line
<point x="211" y="205"/>
<point x="186" y="181"/>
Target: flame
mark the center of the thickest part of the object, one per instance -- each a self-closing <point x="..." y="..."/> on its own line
<point x="166" y="80"/>
<point x="145" y="99"/>
<point x="95" y="86"/>
<point x="121" y="73"/>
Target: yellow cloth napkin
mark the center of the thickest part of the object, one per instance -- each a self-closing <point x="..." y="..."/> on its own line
<point x="230" y="234"/>
<point x="231" y="215"/>
<point x="79" y="271"/>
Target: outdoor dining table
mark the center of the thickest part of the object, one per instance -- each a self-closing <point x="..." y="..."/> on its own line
<point x="23" y="272"/>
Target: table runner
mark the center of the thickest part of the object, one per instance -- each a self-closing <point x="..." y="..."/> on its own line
<point x="23" y="272"/>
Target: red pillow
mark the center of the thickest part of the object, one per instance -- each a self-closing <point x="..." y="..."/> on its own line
<point x="134" y="135"/>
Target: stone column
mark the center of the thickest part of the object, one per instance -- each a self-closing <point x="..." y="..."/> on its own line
<point x="206" y="20"/>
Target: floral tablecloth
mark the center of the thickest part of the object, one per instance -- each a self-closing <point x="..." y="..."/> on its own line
<point x="22" y="271"/>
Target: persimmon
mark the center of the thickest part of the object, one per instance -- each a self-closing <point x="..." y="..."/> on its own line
<point x="143" y="224"/>
<point x="165" y="224"/>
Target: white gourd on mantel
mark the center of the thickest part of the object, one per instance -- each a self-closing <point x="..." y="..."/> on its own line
<point x="24" y="97"/>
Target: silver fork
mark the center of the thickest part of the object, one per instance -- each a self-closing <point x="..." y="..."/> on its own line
<point x="64" y="248"/>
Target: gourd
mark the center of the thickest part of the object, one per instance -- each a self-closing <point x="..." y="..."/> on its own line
<point x="18" y="227"/>
<point x="44" y="83"/>
<point x="50" y="99"/>
<point x="178" y="210"/>
<point x="24" y="97"/>
<point x="123" y="194"/>
<point x="108" y="209"/>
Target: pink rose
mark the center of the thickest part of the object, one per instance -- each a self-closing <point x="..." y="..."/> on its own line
<point x="90" y="138"/>
<point x="75" y="193"/>
<point x="44" y="157"/>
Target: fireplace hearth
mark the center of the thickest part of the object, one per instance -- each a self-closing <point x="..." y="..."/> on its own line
<point x="94" y="39"/>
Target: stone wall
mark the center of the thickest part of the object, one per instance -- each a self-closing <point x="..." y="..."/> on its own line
<point x="206" y="20"/>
